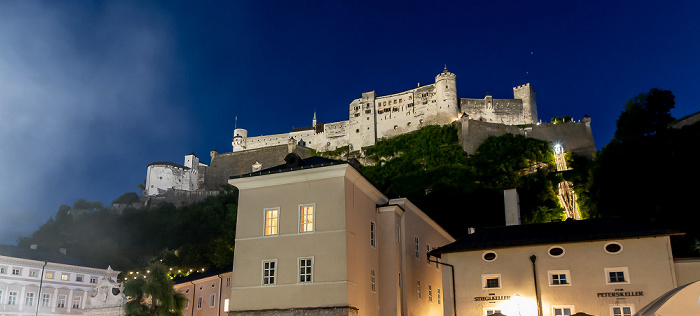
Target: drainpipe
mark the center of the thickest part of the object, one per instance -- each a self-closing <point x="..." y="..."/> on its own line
<point x="533" y="258"/>
<point x="221" y="286"/>
<point x="454" y="289"/>
<point x="194" y="290"/>
<point x="41" y="283"/>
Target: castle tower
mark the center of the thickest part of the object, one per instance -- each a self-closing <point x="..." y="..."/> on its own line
<point x="239" y="139"/>
<point x="527" y="94"/>
<point x="363" y="121"/>
<point x="191" y="161"/>
<point x="313" y="122"/>
<point x="447" y="106"/>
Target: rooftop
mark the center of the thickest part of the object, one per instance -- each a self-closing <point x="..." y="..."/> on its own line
<point x="293" y="163"/>
<point x="554" y="232"/>
<point x="53" y="256"/>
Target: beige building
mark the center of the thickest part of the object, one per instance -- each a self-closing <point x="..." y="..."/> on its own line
<point x="599" y="267"/>
<point x="39" y="282"/>
<point x="314" y="237"/>
<point x="208" y="293"/>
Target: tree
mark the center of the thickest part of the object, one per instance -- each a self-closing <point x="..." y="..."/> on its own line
<point x="154" y="294"/>
<point x="644" y="115"/>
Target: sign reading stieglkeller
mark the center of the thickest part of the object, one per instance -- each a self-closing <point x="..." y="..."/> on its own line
<point x="492" y="298"/>
<point x="620" y="294"/>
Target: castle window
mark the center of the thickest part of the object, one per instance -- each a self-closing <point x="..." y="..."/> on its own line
<point x="410" y="97"/>
<point x="408" y="124"/>
<point x="396" y="127"/>
<point x="384" y="102"/>
<point x="357" y="130"/>
<point x="400" y="100"/>
<point x="394" y="101"/>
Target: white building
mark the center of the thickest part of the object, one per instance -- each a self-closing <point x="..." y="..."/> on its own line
<point x="598" y="267"/>
<point x="39" y="282"/>
<point x="162" y="176"/>
<point x="316" y="238"/>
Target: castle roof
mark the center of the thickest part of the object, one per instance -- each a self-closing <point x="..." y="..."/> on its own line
<point x="308" y="128"/>
<point x="167" y="164"/>
<point x="555" y="232"/>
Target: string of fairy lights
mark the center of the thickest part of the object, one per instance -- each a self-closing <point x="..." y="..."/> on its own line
<point x="171" y="273"/>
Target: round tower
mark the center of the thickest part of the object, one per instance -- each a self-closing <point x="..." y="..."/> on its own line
<point x="447" y="106"/>
<point x="239" y="139"/>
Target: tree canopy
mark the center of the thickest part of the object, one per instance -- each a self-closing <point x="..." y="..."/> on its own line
<point x="153" y="294"/>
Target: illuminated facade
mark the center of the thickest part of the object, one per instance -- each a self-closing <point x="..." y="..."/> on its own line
<point x="318" y="239"/>
<point x="599" y="267"/>
<point x="38" y="282"/>
<point x="208" y="293"/>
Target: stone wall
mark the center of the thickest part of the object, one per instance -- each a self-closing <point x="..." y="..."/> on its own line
<point x="318" y="311"/>
<point x="225" y="165"/>
<point x="574" y="136"/>
<point x="178" y="197"/>
<point x="502" y="111"/>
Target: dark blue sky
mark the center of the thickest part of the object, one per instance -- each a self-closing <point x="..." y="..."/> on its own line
<point x="92" y="92"/>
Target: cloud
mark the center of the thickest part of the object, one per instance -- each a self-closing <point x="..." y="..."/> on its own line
<point x="77" y="81"/>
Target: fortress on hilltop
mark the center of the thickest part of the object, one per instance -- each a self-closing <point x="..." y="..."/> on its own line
<point x="370" y="118"/>
<point x="373" y="117"/>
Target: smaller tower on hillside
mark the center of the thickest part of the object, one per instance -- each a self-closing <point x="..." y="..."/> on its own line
<point x="191" y="161"/>
<point x="313" y="122"/>
<point x="240" y="137"/>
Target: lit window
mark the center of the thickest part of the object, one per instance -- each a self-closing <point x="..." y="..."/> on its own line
<point x="417" y="242"/>
<point x="12" y="298"/>
<point x="45" y="300"/>
<point x="559" y="277"/>
<point x="562" y="310"/>
<point x="306" y="270"/>
<point x="491" y="281"/>
<point x="269" y="272"/>
<point x="61" y="303"/>
<point x="617" y="275"/>
<point x="64" y="277"/>
<point x="29" y="299"/>
<point x="372" y="234"/>
<point x="418" y="288"/>
<point x="271" y="221"/>
<point x="16" y="271"/>
<point x="49" y="275"/>
<point x="199" y="302"/>
<point x="76" y="301"/>
<point x="373" y="280"/>
<point x="622" y="310"/>
<point x="430" y="293"/>
<point x="226" y="305"/>
<point x="306" y="218"/>
<point x="212" y="300"/>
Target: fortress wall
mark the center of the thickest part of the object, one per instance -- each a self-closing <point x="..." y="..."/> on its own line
<point x="396" y="114"/>
<point x="576" y="136"/>
<point x="503" y="111"/>
<point x="226" y="165"/>
<point x="472" y="133"/>
<point x="179" y="197"/>
<point x="334" y="135"/>
<point x="573" y="136"/>
<point x="162" y="177"/>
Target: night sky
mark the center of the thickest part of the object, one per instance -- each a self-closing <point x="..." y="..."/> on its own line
<point x="92" y="92"/>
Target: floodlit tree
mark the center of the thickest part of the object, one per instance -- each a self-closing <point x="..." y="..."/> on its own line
<point x="153" y="295"/>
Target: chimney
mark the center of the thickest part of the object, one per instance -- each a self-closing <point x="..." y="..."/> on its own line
<point x="511" y="202"/>
<point x="33" y="247"/>
<point x="62" y="250"/>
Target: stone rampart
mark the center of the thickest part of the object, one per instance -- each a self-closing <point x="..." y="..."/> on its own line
<point x="178" y="197"/>
<point x="574" y="136"/>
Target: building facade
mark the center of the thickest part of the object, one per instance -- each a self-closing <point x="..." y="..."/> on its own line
<point x="207" y="293"/>
<point x="598" y="267"/>
<point x="317" y="238"/>
<point x="39" y="283"/>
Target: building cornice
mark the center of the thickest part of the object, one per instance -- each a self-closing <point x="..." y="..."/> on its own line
<point x="406" y="204"/>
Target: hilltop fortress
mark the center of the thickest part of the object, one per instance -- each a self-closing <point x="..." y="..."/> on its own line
<point x="371" y="118"/>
